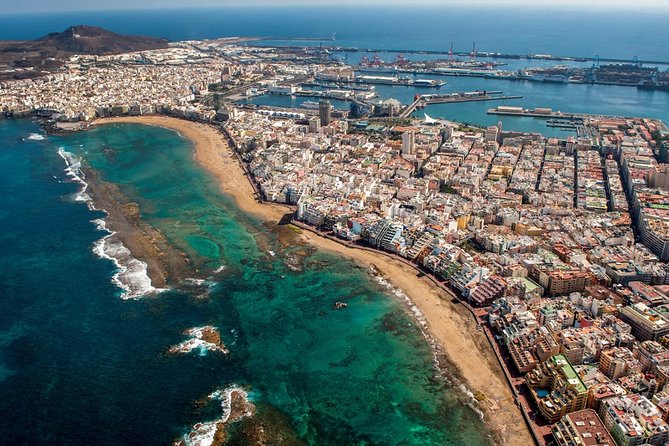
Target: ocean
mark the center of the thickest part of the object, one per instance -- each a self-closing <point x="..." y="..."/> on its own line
<point x="81" y="364"/>
<point x="582" y="31"/>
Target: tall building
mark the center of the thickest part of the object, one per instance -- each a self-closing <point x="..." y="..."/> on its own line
<point x="446" y="133"/>
<point x="226" y="73"/>
<point x="408" y="142"/>
<point x="324" y="112"/>
<point x="617" y="362"/>
<point x="491" y="134"/>
<point x="559" y="282"/>
<point x="314" y="125"/>
<point x="557" y="388"/>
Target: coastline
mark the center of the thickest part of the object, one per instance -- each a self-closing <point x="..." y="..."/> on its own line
<point x="146" y="263"/>
<point x="165" y="266"/>
<point x="447" y="322"/>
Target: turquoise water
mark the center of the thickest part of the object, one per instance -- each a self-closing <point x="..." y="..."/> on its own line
<point x="79" y="365"/>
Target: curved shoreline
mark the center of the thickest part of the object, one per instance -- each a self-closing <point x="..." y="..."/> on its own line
<point x="447" y="322"/>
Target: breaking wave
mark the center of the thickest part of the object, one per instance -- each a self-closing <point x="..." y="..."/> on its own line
<point x="131" y="275"/>
<point x="204" y="339"/>
<point x="204" y="433"/>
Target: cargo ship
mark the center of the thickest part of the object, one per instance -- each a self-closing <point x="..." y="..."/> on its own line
<point x="394" y="80"/>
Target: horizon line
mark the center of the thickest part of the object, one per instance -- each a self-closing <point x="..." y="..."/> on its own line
<point x="565" y="5"/>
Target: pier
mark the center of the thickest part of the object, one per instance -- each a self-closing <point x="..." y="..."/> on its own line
<point x="449" y="98"/>
<point x="492" y="55"/>
<point x="471" y="96"/>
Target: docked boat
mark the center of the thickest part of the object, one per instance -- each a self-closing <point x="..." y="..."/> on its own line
<point x="311" y="105"/>
<point x="428" y="83"/>
<point x="550" y="78"/>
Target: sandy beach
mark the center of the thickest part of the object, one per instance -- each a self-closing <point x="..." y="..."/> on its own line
<point x="448" y="323"/>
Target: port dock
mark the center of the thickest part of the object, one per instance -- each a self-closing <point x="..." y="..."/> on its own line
<point x="470" y="96"/>
<point x="541" y="113"/>
<point x="395" y="81"/>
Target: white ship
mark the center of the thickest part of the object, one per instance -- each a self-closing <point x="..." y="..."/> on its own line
<point x="428" y="83"/>
<point x="553" y="78"/>
<point x="311" y="105"/>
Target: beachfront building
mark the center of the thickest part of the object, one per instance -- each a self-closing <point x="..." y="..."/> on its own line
<point x="582" y="428"/>
<point x="556" y="388"/>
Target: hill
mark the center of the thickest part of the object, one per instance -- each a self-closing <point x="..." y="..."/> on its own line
<point x="32" y="58"/>
<point x="83" y="39"/>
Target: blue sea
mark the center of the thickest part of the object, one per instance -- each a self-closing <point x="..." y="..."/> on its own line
<point x="583" y="31"/>
<point x="80" y="365"/>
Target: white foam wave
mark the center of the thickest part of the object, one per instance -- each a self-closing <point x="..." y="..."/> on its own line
<point x="100" y="224"/>
<point x="471" y="402"/>
<point x="197" y="341"/>
<point x="36" y="137"/>
<point x="74" y="172"/>
<point x="131" y="276"/>
<point x="219" y="269"/>
<point x="195" y="282"/>
<point x="203" y="434"/>
<point x="200" y="288"/>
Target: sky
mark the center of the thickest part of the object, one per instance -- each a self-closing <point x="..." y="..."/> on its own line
<point x="14" y="6"/>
